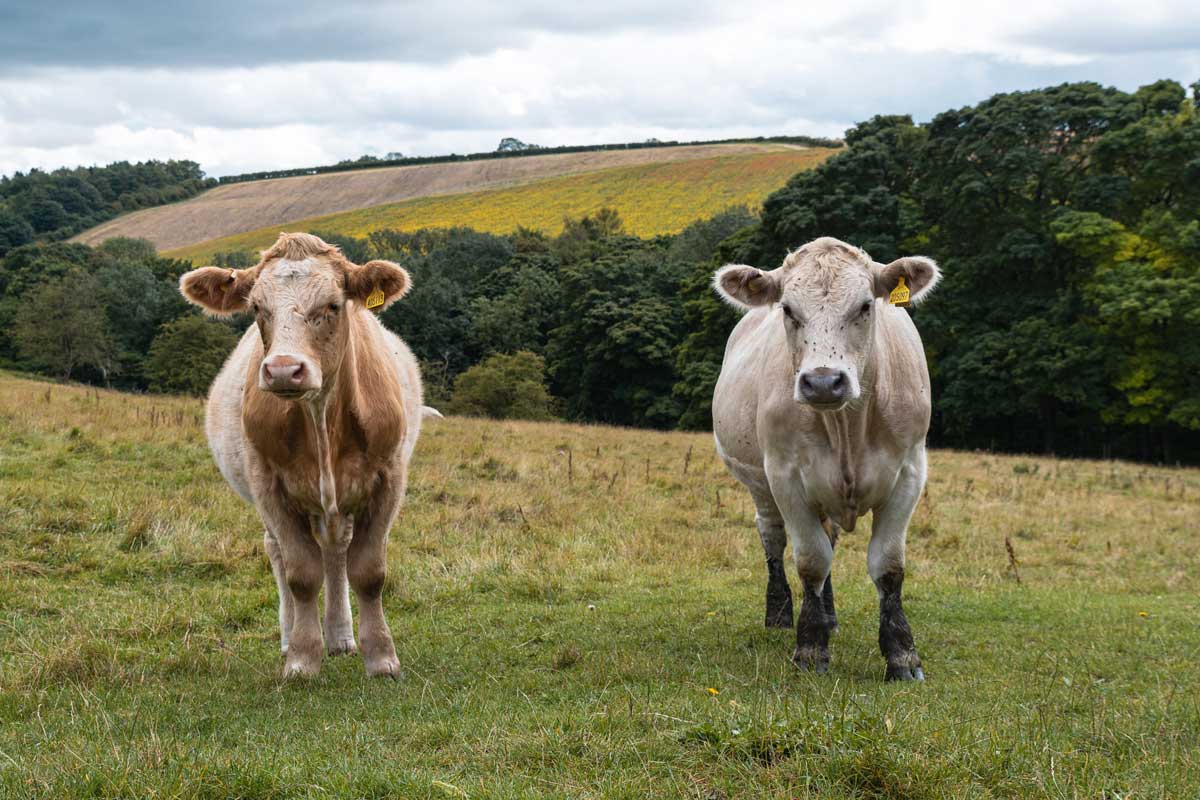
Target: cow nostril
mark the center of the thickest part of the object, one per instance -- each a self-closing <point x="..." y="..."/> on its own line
<point x="839" y="382"/>
<point x="277" y="372"/>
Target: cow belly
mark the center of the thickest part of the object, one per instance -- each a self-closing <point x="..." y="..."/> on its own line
<point x="223" y="419"/>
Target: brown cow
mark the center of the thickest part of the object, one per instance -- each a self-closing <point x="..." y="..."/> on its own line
<point x="313" y="419"/>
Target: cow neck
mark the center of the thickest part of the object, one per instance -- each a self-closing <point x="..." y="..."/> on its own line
<point x="335" y="401"/>
<point x="846" y="430"/>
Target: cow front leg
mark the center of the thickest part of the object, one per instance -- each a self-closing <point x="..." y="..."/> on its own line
<point x="339" y="624"/>
<point x="885" y="563"/>
<point x="367" y="568"/>
<point x="302" y="567"/>
<point x="275" y="556"/>
<point x="813" y="554"/>
<point x="302" y="572"/>
<point x="774" y="539"/>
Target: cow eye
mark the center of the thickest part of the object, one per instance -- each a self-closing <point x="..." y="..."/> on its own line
<point x="334" y="307"/>
<point x="865" y="309"/>
<point x="787" y="312"/>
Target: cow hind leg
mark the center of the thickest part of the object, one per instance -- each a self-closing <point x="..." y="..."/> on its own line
<point x="275" y="556"/>
<point x="339" y="624"/>
<point x="774" y="539"/>
<point x="832" y="531"/>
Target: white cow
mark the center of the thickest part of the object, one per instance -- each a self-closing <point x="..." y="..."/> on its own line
<point x="821" y="411"/>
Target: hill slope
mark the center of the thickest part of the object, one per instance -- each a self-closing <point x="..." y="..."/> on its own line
<point x="651" y="198"/>
<point x="241" y="207"/>
<point x="591" y="633"/>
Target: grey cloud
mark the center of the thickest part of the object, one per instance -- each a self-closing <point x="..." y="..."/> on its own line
<point x="34" y="33"/>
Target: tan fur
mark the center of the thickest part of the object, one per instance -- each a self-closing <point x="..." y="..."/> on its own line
<point x="327" y="471"/>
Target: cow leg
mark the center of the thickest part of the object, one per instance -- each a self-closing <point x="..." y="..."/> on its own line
<point x="774" y="539"/>
<point x="832" y="530"/>
<point x="813" y="555"/>
<point x="275" y="555"/>
<point x="885" y="563"/>
<point x="302" y="572"/>
<point x="367" y="568"/>
<point x="339" y="624"/>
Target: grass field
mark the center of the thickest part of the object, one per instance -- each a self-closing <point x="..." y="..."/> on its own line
<point x="652" y="199"/>
<point x="241" y="207"/>
<point x="582" y="625"/>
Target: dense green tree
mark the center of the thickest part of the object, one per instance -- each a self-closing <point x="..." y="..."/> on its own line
<point x="60" y="326"/>
<point x="504" y="387"/>
<point x="612" y="357"/>
<point x="57" y="204"/>
<point x="187" y="354"/>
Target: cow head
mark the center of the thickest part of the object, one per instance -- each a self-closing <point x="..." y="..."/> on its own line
<point x="301" y="294"/>
<point x="829" y="295"/>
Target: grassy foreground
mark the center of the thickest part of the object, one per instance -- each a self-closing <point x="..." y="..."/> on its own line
<point x="578" y="614"/>
<point x="652" y="199"/>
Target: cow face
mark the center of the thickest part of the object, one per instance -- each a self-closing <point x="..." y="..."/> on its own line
<point x="301" y="295"/>
<point x="829" y="295"/>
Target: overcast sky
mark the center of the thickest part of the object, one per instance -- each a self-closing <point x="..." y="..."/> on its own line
<point x="239" y="85"/>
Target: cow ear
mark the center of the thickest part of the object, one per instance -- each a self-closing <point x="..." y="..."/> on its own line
<point x="746" y="287"/>
<point x="377" y="284"/>
<point x="920" y="275"/>
<point x="220" y="292"/>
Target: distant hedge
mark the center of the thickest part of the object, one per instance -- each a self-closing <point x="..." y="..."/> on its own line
<point x="808" y="141"/>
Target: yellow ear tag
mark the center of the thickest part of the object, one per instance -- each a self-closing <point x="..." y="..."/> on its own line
<point x="899" y="295"/>
<point x="375" y="299"/>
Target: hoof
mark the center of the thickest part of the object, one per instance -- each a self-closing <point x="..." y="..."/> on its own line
<point x="300" y="669"/>
<point x="384" y="668"/>
<point x="896" y="672"/>
<point x="811" y="659"/>
<point x="341" y="647"/>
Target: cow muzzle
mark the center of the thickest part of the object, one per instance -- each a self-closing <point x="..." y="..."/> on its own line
<point x="288" y="377"/>
<point x="823" y="387"/>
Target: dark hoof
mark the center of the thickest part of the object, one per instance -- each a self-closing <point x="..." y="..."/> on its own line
<point x="900" y="673"/>
<point x="811" y="659"/>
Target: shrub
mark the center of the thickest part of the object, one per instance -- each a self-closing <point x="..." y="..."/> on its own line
<point x="504" y="387"/>
<point x="187" y="354"/>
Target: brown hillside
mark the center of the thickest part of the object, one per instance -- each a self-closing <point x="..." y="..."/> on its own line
<point x="241" y="207"/>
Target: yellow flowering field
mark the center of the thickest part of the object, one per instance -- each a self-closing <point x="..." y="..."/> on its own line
<point x="651" y="198"/>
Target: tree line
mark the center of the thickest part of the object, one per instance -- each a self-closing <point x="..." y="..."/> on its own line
<point x="1066" y="221"/>
<point x="48" y="206"/>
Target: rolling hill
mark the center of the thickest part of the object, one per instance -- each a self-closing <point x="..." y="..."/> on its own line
<point x="657" y="190"/>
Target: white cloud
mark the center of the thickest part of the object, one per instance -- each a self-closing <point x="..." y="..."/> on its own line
<point x="615" y="73"/>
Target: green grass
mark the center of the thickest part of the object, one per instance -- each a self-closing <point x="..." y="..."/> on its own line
<point x="652" y="199"/>
<point x="560" y="631"/>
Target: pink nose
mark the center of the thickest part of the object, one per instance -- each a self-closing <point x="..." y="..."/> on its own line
<point x="283" y="372"/>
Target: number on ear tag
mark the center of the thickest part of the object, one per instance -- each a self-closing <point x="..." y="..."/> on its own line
<point x="899" y="295"/>
<point x="375" y="299"/>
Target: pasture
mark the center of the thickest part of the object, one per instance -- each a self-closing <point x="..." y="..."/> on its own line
<point x="653" y="198"/>
<point x="578" y="613"/>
